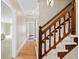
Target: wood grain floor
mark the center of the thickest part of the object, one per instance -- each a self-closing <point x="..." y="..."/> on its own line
<point x="28" y="51"/>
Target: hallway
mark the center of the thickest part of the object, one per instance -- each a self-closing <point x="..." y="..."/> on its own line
<point x="28" y="51"/>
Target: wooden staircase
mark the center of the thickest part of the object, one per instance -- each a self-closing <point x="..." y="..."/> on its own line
<point x="56" y="30"/>
<point x="69" y="48"/>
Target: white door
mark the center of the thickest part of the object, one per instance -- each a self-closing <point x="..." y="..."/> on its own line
<point x="31" y="30"/>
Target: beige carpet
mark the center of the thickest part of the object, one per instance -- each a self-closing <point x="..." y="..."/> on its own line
<point x="28" y="51"/>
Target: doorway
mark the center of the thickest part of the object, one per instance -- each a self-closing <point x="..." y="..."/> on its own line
<point x="31" y="30"/>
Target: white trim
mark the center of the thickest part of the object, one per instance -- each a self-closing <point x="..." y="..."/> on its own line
<point x="14" y="35"/>
<point x="36" y="30"/>
<point x="36" y="49"/>
<point x="27" y="28"/>
<point x="76" y="17"/>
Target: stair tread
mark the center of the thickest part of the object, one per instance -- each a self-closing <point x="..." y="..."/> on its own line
<point x="60" y="50"/>
<point x="69" y="43"/>
<point x="73" y="36"/>
<point x="50" y="57"/>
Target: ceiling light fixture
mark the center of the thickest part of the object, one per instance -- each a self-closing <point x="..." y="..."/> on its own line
<point x="50" y="3"/>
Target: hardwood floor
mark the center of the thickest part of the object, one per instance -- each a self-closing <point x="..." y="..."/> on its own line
<point x="28" y="51"/>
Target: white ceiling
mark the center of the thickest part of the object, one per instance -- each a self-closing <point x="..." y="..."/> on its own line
<point x="29" y="7"/>
<point x="26" y="7"/>
<point x="28" y="4"/>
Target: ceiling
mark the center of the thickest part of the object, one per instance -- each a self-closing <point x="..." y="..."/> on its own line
<point x="28" y="4"/>
<point x="27" y="7"/>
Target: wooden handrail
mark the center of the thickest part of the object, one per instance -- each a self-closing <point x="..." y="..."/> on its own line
<point x="46" y="32"/>
<point x="57" y="15"/>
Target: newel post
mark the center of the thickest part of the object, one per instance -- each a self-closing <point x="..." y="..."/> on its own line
<point x="73" y="18"/>
<point x="40" y="43"/>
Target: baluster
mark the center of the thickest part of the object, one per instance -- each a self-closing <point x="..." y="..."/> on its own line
<point x="40" y="42"/>
<point x="45" y="43"/>
<point x="73" y="19"/>
<point x="69" y="21"/>
<point x="50" y="38"/>
<point x="54" y="35"/>
<point x="59" y="30"/>
<point x="64" y="26"/>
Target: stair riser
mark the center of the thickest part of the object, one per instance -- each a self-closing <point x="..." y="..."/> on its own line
<point x="62" y="54"/>
<point x="70" y="47"/>
<point x="76" y="40"/>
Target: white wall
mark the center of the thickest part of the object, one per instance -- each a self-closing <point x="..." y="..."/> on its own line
<point x="46" y="13"/>
<point x="73" y="54"/>
<point x="6" y="28"/>
<point x="6" y="13"/>
<point x="6" y="18"/>
<point x="20" y="30"/>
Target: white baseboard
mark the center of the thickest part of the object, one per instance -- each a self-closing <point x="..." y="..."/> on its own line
<point x="21" y="46"/>
<point x="36" y="49"/>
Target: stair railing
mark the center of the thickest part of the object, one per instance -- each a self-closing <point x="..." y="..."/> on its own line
<point x="52" y="29"/>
